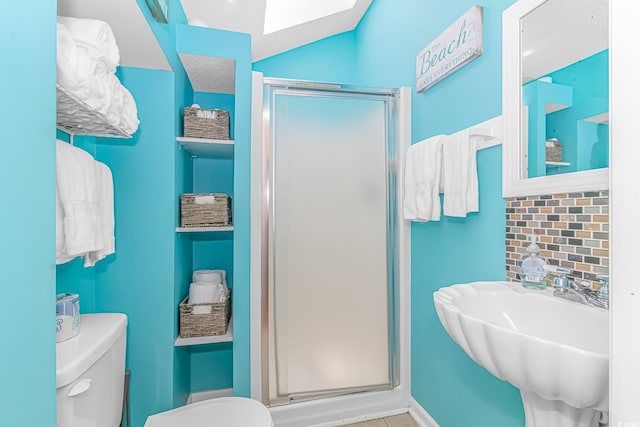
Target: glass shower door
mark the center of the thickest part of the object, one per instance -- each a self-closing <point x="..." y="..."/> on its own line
<point x="330" y="243"/>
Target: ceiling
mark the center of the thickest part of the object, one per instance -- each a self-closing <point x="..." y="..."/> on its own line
<point x="137" y="44"/>
<point x="310" y="21"/>
<point x="248" y="16"/>
<point x="210" y="74"/>
<point x="581" y="25"/>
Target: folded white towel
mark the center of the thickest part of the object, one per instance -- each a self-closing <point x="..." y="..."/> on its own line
<point x="78" y="195"/>
<point x="67" y="60"/>
<point x="107" y="219"/>
<point x="96" y="37"/>
<point x="210" y="276"/>
<point x="84" y="75"/>
<point x="202" y="293"/>
<point x="422" y="180"/>
<point x="460" y="175"/>
<point x="122" y="111"/>
<point x="206" y="293"/>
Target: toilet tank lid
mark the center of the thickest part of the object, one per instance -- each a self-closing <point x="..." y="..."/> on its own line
<point x="98" y="333"/>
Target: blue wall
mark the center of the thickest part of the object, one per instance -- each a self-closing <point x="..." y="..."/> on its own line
<point x="148" y="275"/>
<point x="150" y="272"/>
<point x="584" y="88"/>
<point x="589" y="80"/>
<point x="212" y="365"/>
<point x="333" y="59"/>
<point x="451" y="387"/>
<point x="150" y="172"/>
<point x="536" y="95"/>
<point x="27" y="220"/>
<point x="236" y="46"/>
<point x="139" y="279"/>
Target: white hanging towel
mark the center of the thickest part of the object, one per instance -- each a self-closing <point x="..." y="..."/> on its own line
<point x="84" y="206"/>
<point x="460" y="175"/>
<point x="77" y="191"/>
<point x="422" y="180"/>
<point x="106" y="213"/>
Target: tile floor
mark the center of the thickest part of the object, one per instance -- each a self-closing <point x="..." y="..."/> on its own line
<point x="402" y="420"/>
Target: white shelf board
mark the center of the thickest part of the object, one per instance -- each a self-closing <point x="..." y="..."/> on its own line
<point x="552" y="107"/>
<point x="228" y="337"/>
<point x="203" y="229"/>
<point x="207" y="148"/>
<point x="558" y="163"/>
<point x="599" y="118"/>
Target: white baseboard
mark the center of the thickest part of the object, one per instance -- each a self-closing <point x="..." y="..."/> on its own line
<point x="211" y="394"/>
<point x="419" y="414"/>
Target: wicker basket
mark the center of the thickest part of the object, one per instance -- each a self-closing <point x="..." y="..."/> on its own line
<point x="554" y="150"/>
<point x="204" y="325"/>
<point x="205" y="210"/>
<point x="206" y="123"/>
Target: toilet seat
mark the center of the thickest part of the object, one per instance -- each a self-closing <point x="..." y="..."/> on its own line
<point x="223" y="412"/>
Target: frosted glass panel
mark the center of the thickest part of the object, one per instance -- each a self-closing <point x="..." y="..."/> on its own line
<point x="328" y="242"/>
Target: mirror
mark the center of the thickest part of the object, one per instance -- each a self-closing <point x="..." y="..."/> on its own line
<point x="555" y="96"/>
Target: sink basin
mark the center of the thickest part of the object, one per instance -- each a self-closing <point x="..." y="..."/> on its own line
<point x="555" y="351"/>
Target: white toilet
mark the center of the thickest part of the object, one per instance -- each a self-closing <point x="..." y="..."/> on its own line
<point x="90" y="372"/>
<point x="222" y="412"/>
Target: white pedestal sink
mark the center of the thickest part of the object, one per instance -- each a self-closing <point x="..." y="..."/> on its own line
<point x="555" y="351"/>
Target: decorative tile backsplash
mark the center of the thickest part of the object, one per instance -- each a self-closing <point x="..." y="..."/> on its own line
<point x="572" y="229"/>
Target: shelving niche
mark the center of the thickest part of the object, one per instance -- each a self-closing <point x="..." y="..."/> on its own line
<point x="209" y="166"/>
<point x="228" y="337"/>
<point x="203" y="148"/>
<point x="218" y="76"/>
<point x="207" y="148"/>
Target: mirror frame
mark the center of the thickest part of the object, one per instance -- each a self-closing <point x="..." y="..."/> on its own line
<point x="512" y="182"/>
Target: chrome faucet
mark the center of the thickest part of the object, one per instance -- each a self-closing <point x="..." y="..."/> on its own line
<point x="573" y="291"/>
<point x="602" y="294"/>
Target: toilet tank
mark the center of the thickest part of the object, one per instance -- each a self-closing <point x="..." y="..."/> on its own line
<point x="90" y="372"/>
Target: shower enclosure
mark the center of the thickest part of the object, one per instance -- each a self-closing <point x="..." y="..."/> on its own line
<point x="329" y="240"/>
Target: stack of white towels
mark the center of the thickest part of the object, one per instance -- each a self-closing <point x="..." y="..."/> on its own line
<point x="84" y="206"/>
<point x="208" y="287"/>
<point x="87" y="58"/>
<point x="441" y="164"/>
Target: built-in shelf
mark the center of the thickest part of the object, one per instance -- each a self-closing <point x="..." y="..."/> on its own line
<point x="602" y="119"/>
<point x="558" y="163"/>
<point x="207" y="148"/>
<point x="552" y="107"/>
<point x="203" y="229"/>
<point x="228" y="337"/>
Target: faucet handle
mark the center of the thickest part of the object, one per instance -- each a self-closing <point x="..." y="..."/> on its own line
<point x="603" y="292"/>
<point x="562" y="281"/>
